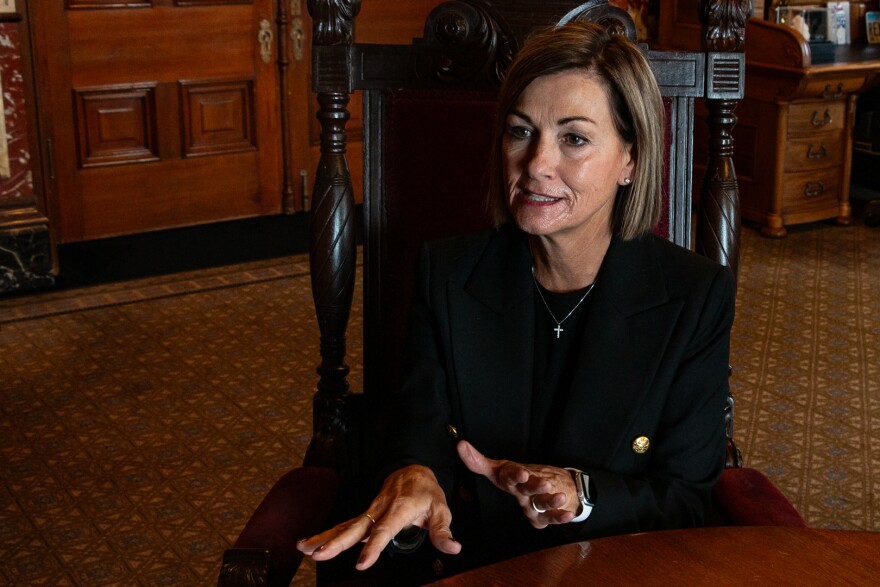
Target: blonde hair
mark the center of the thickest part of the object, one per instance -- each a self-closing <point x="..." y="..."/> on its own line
<point x="636" y="108"/>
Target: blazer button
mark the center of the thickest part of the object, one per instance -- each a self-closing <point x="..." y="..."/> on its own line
<point x="464" y="494"/>
<point x="452" y="430"/>
<point x="438" y="567"/>
<point x="641" y="445"/>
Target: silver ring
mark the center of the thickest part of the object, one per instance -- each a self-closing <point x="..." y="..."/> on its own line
<point x="535" y="507"/>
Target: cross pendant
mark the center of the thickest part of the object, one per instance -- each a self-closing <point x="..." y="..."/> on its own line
<point x="558" y="330"/>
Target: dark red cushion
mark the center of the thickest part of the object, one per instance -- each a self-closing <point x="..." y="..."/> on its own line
<point x="746" y="497"/>
<point x="296" y="507"/>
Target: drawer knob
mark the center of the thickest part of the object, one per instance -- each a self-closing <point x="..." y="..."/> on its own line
<point x="828" y="94"/>
<point x="814" y="189"/>
<point x="818" y="153"/>
<point x="824" y="121"/>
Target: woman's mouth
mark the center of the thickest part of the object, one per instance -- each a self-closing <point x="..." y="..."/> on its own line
<point x="539" y="199"/>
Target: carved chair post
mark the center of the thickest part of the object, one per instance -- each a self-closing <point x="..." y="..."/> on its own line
<point x="717" y="234"/>
<point x="332" y="222"/>
<point x="718" y="222"/>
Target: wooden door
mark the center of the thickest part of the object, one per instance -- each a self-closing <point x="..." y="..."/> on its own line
<point x="157" y="113"/>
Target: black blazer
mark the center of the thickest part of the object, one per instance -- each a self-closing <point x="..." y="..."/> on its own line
<point x="654" y="363"/>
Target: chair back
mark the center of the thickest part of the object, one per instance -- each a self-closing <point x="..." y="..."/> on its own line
<point x="429" y="111"/>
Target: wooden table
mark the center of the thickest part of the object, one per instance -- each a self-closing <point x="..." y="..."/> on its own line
<point x="701" y="556"/>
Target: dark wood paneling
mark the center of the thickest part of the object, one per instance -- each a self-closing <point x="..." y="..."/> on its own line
<point x="116" y="125"/>
<point x="217" y="117"/>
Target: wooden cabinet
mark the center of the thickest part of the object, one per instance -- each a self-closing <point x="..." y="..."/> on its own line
<point x="794" y="137"/>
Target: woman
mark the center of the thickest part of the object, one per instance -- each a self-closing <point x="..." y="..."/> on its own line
<point x="570" y="336"/>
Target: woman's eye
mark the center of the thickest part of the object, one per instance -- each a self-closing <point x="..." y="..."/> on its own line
<point x="519" y="132"/>
<point x="574" y="140"/>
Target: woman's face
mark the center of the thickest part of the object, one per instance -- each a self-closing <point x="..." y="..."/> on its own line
<point x="563" y="158"/>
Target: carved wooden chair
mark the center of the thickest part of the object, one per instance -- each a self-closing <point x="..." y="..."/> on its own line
<point x="428" y="182"/>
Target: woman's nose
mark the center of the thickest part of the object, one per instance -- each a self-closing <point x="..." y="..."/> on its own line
<point x="542" y="160"/>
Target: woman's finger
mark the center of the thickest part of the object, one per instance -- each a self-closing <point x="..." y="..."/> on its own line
<point x="543" y="509"/>
<point x="328" y="544"/>
<point x="519" y="479"/>
<point x="474" y="459"/>
<point x="440" y="533"/>
<point x="503" y="474"/>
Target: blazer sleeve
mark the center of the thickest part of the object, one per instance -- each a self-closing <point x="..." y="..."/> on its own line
<point x="674" y="490"/>
<point x="420" y="408"/>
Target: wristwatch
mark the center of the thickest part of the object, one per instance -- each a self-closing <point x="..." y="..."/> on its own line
<point x="582" y="483"/>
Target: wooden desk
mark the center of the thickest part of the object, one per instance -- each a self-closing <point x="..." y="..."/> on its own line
<point x="702" y="556"/>
<point x="794" y="135"/>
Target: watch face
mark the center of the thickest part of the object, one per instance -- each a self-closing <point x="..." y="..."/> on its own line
<point x="585" y="487"/>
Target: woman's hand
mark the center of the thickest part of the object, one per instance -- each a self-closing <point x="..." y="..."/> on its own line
<point x="410" y="496"/>
<point x="535" y="487"/>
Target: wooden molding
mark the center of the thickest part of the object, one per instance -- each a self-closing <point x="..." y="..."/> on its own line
<point x="116" y="125"/>
<point x="217" y="117"/>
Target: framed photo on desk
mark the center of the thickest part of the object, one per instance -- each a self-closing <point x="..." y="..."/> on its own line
<point x="872" y="22"/>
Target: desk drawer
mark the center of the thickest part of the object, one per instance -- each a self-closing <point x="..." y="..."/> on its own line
<point x="821" y="150"/>
<point x="833" y="89"/>
<point x="809" y="190"/>
<point x="809" y="118"/>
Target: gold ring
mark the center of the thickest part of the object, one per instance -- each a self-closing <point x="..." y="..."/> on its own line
<point x="369" y="517"/>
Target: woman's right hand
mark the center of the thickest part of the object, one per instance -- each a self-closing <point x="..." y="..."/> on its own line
<point x="410" y="496"/>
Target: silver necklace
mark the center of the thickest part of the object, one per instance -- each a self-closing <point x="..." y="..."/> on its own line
<point x="558" y="330"/>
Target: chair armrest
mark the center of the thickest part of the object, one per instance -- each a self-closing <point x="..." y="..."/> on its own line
<point x="296" y="507"/>
<point x="244" y="567"/>
<point x="746" y="497"/>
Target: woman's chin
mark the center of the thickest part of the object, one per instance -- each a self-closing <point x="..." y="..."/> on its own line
<point x="536" y="228"/>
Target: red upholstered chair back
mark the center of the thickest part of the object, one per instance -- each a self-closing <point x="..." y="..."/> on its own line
<point x="435" y="165"/>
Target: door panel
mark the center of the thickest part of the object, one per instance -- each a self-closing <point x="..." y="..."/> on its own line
<point x="159" y="113"/>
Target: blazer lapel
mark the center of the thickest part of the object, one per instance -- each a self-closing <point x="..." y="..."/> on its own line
<point x="626" y="332"/>
<point x="491" y="320"/>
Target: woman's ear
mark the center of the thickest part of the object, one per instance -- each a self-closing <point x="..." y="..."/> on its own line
<point x="626" y="174"/>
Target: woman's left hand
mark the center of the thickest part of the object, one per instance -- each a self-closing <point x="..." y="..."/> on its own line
<point x="535" y="487"/>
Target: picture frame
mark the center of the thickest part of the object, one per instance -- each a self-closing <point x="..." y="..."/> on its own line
<point x="811" y="21"/>
<point x="839" y="30"/>
<point x="872" y="25"/>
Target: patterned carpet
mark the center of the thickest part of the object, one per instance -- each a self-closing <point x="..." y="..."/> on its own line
<point x="142" y="422"/>
<point x="806" y="356"/>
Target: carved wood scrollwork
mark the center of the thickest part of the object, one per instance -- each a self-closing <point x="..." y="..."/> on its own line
<point x="616" y="20"/>
<point x="333" y="21"/>
<point x="725" y="22"/>
<point x="455" y="29"/>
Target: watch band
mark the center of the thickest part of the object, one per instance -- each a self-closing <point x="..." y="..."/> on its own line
<point x="582" y="483"/>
